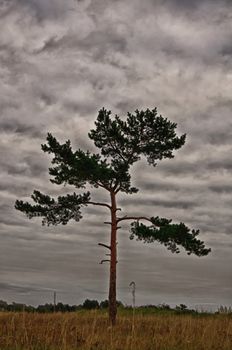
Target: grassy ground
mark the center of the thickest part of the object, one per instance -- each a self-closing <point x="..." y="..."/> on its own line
<point x="89" y="330"/>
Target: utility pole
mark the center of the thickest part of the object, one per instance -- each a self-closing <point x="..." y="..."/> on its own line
<point x="133" y="285"/>
<point x="54" y="304"/>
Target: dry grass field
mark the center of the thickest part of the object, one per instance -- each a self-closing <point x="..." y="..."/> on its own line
<point x="89" y="330"/>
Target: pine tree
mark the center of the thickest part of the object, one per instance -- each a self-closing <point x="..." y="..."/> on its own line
<point x="122" y="143"/>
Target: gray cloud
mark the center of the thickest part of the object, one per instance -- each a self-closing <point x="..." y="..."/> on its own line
<point x="60" y="62"/>
<point x="164" y="203"/>
<point x="222" y="188"/>
<point x="20" y="289"/>
<point x="186" y="4"/>
<point x="14" y="126"/>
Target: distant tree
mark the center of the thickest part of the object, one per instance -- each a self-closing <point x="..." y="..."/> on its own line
<point x="164" y="306"/>
<point x="60" y="307"/>
<point x="16" y="307"/>
<point x="181" y="307"/>
<point x="121" y="143"/>
<point x="90" y="304"/>
<point x="45" y="308"/>
<point x="3" y="305"/>
<point x="104" y="304"/>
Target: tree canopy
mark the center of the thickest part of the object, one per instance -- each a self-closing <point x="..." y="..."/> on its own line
<point x="122" y="143"/>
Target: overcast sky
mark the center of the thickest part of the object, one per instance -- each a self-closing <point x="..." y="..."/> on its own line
<point x="60" y="62"/>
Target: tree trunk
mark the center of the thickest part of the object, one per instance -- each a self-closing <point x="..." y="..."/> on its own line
<point x="113" y="262"/>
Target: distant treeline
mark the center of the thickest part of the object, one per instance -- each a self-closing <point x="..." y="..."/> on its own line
<point x="90" y="304"/>
<point x="59" y="307"/>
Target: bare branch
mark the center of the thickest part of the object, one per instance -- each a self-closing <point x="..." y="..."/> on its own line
<point x="100" y="204"/>
<point x="134" y="218"/>
<point x="115" y="187"/>
<point x="118" y="189"/>
<point x="103" y="186"/>
<point x="105" y="245"/>
<point x="116" y="149"/>
<point x="108" y="223"/>
<point x="104" y="260"/>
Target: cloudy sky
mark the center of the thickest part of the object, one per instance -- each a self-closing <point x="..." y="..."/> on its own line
<point x="60" y="62"/>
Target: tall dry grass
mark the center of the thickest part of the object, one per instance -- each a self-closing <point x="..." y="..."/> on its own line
<point x="90" y="331"/>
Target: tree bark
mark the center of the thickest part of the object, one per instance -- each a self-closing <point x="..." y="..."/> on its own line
<point x="113" y="262"/>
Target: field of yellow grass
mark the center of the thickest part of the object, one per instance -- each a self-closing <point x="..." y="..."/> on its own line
<point x="89" y="330"/>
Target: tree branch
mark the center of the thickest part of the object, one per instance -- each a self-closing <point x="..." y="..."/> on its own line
<point x="116" y="149"/>
<point x="104" y="260"/>
<point x="103" y="186"/>
<point x="105" y="245"/>
<point x="134" y="218"/>
<point x="100" y="204"/>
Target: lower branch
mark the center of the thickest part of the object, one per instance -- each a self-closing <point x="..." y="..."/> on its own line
<point x="104" y="260"/>
<point x="105" y="245"/>
<point x="100" y="204"/>
<point x="134" y="218"/>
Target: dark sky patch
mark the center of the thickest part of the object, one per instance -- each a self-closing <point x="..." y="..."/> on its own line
<point x="16" y="127"/>
<point x="165" y="203"/>
<point x="222" y="188"/>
